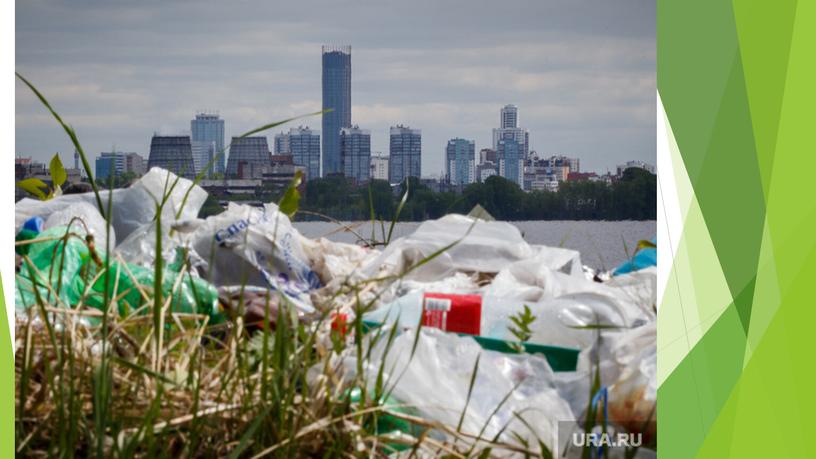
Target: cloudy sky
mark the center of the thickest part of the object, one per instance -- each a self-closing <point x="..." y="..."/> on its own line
<point x="582" y="72"/>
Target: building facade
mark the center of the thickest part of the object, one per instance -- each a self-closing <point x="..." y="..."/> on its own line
<point x="487" y="155"/>
<point x="574" y="164"/>
<point x="304" y="146"/>
<point x="249" y="157"/>
<point x="379" y="166"/>
<point x="118" y="163"/>
<point x="174" y="153"/>
<point x="509" y="116"/>
<point x="483" y="171"/>
<point x="519" y="135"/>
<point x="460" y="161"/>
<point x="209" y="127"/>
<point x="405" y="153"/>
<point x="337" y="98"/>
<point x="355" y="148"/>
<point x="511" y="161"/>
<point x="282" y="143"/>
<point x="509" y="129"/>
<point x="203" y="155"/>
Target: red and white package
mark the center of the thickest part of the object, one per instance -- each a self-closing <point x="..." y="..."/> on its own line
<point x="453" y="313"/>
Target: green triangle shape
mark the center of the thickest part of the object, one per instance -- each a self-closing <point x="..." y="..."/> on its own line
<point x="734" y="216"/>
<point x="765" y="30"/>
<point x="743" y="303"/>
<point x="692" y="396"/>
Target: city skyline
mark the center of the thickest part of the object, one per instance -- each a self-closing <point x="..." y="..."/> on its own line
<point x="582" y="74"/>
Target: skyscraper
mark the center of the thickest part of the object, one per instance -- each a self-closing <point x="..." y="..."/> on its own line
<point x="249" y="157"/>
<point x="460" y="161"/>
<point x="203" y="154"/>
<point x="173" y="153"/>
<point x="208" y="127"/>
<point x="509" y="116"/>
<point x="405" y="153"/>
<point x="337" y="97"/>
<point x="508" y="129"/>
<point x="355" y="148"/>
<point x="282" y="144"/>
<point x="511" y="161"/>
<point x="304" y="146"/>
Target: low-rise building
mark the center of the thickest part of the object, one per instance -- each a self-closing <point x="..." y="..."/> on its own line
<point x="582" y="176"/>
<point x="118" y="163"/>
<point x="379" y="166"/>
<point x="485" y="170"/>
<point x="231" y="186"/>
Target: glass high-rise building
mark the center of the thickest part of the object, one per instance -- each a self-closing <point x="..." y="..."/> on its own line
<point x="209" y="127"/>
<point x="509" y="116"/>
<point x="249" y="157"/>
<point x="282" y="144"/>
<point x="355" y="150"/>
<point x="304" y="146"/>
<point x="337" y="97"/>
<point x="405" y="153"/>
<point x="173" y="153"/>
<point x="508" y="129"/>
<point x="511" y="161"/>
<point x="203" y="154"/>
<point x="460" y="161"/>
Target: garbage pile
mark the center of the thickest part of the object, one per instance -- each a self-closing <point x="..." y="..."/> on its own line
<point x="528" y="319"/>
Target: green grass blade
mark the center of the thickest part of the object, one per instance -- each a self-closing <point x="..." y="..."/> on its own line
<point x="399" y="211"/>
<point x="72" y="135"/>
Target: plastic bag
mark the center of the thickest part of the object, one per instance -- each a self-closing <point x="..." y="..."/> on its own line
<point x="63" y="268"/>
<point x="55" y="265"/>
<point x="633" y="295"/>
<point x="436" y="379"/>
<point x="644" y="258"/>
<point x="130" y="207"/>
<point x="258" y="247"/>
<point x="633" y="396"/>
<point x="627" y="361"/>
<point x="336" y="260"/>
<point x="84" y="215"/>
<point x="475" y="246"/>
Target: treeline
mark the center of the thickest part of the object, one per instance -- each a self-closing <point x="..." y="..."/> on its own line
<point x="633" y="197"/>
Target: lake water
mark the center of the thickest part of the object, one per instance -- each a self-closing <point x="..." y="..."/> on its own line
<point x="602" y="244"/>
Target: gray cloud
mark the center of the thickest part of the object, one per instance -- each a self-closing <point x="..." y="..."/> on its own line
<point x="581" y="71"/>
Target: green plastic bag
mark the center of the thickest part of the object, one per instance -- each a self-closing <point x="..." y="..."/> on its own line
<point x="62" y="266"/>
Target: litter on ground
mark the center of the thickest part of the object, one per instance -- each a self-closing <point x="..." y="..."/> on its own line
<point x="468" y="326"/>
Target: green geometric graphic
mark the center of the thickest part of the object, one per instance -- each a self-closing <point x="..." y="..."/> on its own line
<point x="738" y="86"/>
<point x="7" y="381"/>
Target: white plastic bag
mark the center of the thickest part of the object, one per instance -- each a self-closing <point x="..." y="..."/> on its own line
<point x="474" y="246"/>
<point x="528" y="280"/>
<point x="258" y="247"/>
<point x="130" y="207"/>
<point x="627" y="361"/>
<point x="83" y="215"/>
<point x="436" y="380"/>
<point x="633" y="396"/>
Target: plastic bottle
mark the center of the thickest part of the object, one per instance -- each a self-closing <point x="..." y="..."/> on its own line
<point x="564" y="321"/>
